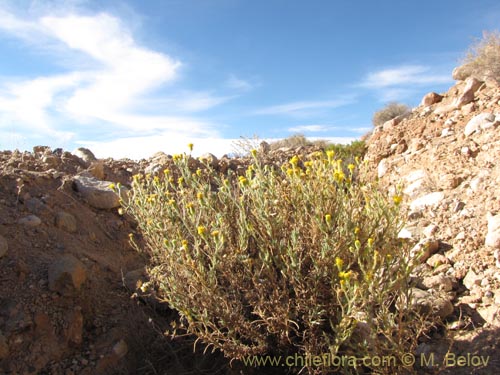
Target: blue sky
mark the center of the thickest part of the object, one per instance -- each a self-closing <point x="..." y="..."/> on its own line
<point x="129" y="78"/>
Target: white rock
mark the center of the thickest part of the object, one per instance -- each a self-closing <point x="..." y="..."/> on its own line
<point x="416" y="175"/>
<point x="428" y="200"/>
<point x="493" y="235"/>
<point x="477" y="122"/>
<point x="97" y="193"/>
<point x="405" y="233"/>
<point x="382" y="168"/>
<point x="30" y="221"/>
<point x="429" y="230"/>
<point x="471" y="280"/>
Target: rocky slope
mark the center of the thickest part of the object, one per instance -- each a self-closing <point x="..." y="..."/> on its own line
<point x="445" y="157"/>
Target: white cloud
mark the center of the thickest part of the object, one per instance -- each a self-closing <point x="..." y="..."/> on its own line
<point x="113" y="95"/>
<point x="297" y="107"/>
<point x="239" y="84"/>
<point x="404" y="75"/>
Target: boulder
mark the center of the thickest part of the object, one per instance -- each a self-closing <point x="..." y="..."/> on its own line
<point x="85" y="154"/>
<point x="430" y="99"/>
<point x="97" y="193"/>
<point x="66" y="275"/>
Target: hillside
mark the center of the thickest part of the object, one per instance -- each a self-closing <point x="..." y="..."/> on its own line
<point x="70" y="297"/>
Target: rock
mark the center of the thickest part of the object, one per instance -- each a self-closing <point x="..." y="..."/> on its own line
<point x="477" y="122"/>
<point x="52" y="161"/>
<point x="431" y="303"/>
<point x="428" y="200"/>
<point x="461" y="73"/>
<point x="97" y="193"/>
<point x="471" y="280"/>
<point x="471" y="86"/>
<point x="74" y="330"/>
<point x="405" y="233"/>
<point x="382" y="168"/>
<point x="493" y="235"/>
<point x="134" y="279"/>
<point x="4" y="246"/>
<point x="35" y="206"/>
<point x="429" y="230"/>
<point x="4" y="347"/>
<point x="491" y="314"/>
<point x="66" y="222"/>
<point x="437" y="260"/>
<point x="66" y="275"/>
<point x="30" y="221"/>
<point x="438" y="282"/>
<point x="424" y="249"/>
<point x="430" y="99"/>
<point x="96" y="169"/>
<point x="85" y="154"/>
<point x="264" y="147"/>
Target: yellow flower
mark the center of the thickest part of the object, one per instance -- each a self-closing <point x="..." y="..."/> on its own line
<point x="330" y="154"/>
<point x="356" y="230"/>
<point x="166" y="172"/>
<point x="397" y="199"/>
<point x="253" y="152"/>
<point x="294" y="161"/>
<point x="184" y="244"/>
<point x="370" y="242"/>
<point x="190" y="146"/>
<point x="215" y="233"/>
<point x="120" y="211"/>
<point x="243" y="180"/>
<point x="357" y="244"/>
<point x="202" y="230"/>
<point x="199" y="195"/>
<point x="339" y="176"/>
<point x="339" y="263"/>
<point x="177" y="157"/>
<point x="351" y="167"/>
<point x="112" y="186"/>
<point x="198" y="172"/>
<point x="189" y="205"/>
<point x="171" y="202"/>
<point x="180" y="180"/>
<point x="328" y="219"/>
<point x="345" y="275"/>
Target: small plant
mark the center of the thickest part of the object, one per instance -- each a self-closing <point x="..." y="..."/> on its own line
<point x="280" y="261"/>
<point x="349" y="152"/>
<point x="390" y="111"/>
<point x="483" y="56"/>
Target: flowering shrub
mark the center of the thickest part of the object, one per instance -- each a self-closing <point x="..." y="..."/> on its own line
<point x="279" y="261"/>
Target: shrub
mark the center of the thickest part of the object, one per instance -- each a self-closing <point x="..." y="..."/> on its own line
<point x="349" y="152"/>
<point x="390" y="111"/>
<point x="298" y="260"/>
<point x="483" y="56"/>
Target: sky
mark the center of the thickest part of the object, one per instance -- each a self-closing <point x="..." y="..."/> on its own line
<point x="130" y="78"/>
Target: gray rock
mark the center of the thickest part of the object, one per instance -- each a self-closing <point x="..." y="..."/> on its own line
<point x="493" y="235"/>
<point x="30" y="221"/>
<point x="4" y="246"/>
<point x="438" y="282"/>
<point x="85" y="154"/>
<point x="477" y="122"/>
<point x="66" y="275"/>
<point x="66" y="222"/>
<point x="97" y="193"/>
<point x="431" y="303"/>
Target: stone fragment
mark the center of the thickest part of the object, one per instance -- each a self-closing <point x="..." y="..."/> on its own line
<point x="424" y="249"/>
<point x="97" y="193"/>
<point x="66" y="222"/>
<point x="437" y="260"/>
<point x="431" y="303"/>
<point x="467" y="96"/>
<point x="74" y="330"/>
<point x="120" y="349"/>
<point x="30" y="221"/>
<point x="491" y="314"/>
<point x="493" y="235"/>
<point x="4" y="246"/>
<point x="477" y="122"/>
<point x="96" y="169"/>
<point x="382" y="168"/>
<point x="430" y="99"/>
<point x="471" y="280"/>
<point x="134" y="279"/>
<point x="66" y="275"/>
<point x="428" y="200"/>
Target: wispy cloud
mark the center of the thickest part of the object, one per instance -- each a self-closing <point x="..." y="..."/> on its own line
<point x="298" y="107"/>
<point x="113" y="90"/>
<point x="404" y="75"/>
<point x="238" y="84"/>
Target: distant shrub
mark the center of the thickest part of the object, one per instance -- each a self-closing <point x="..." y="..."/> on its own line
<point x="483" y="56"/>
<point x="292" y="261"/>
<point x="293" y="141"/>
<point x="390" y="111"/>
